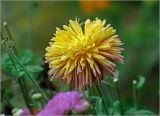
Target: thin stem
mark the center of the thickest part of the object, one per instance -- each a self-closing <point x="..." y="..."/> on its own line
<point x="17" y="60"/>
<point x="27" y="73"/>
<point x="39" y="105"/>
<point x="101" y="95"/>
<point x="90" y="91"/>
<point x="8" y="102"/>
<point x="135" y="94"/>
<point x="10" y="36"/>
<point x="4" y="45"/>
<point x="21" y="83"/>
<point x="25" y="96"/>
<point x="119" y="97"/>
<point x="110" y="96"/>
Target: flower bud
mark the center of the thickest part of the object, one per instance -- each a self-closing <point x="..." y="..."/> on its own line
<point x="36" y="96"/>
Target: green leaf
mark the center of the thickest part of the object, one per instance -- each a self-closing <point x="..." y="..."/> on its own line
<point x="7" y="93"/>
<point x="97" y="104"/>
<point x="6" y="59"/>
<point x="107" y="84"/>
<point x="92" y="99"/>
<point x="34" y="68"/>
<point x="20" y="73"/>
<point x="133" y="111"/>
<point x="111" y="110"/>
<point x="26" y="57"/>
<point x="7" y="66"/>
<point x="116" y="107"/>
<point x="99" y="107"/>
<point x="15" y="70"/>
<point x="6" y="63"/>
<point x="140" y="83"/>
<point x="144" y="112"/>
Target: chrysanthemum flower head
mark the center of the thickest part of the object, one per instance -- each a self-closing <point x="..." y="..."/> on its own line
<point x="81" y="55"/>
<point x="65" y="102"/>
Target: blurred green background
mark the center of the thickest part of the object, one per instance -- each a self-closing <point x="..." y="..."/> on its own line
<point x="33" y="23"/>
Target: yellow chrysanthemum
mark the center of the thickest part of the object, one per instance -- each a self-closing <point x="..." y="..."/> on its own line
<point x="81" y="56"/>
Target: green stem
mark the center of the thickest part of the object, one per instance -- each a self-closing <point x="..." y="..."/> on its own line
<point x="110" y="96"/>
<point x="8" y="102"/>
<point x="134" y="94"/>
<point x="39" y="105"/>
<point x="21" y="83"/>
<point x="27" y="73"/>
<point x="10" y="36"/>
<point x="11" y="59"/>
<point x="119" y="97"/>
<point x="4" y="45"/>
<point x="101" y="95"/>
<point x="25" y="96"/>
<point x="90" y="91"/>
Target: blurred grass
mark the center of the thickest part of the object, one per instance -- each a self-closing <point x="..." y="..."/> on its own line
<point x="33" y="23"/>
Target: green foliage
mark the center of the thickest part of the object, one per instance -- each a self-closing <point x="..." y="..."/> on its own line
<point x="6" y="93"/>
<point x="34" y="68"/>
<point x="141" y="82"/>
<point x="135" y="112"/>
<point x="97" y="104"/>
<point x="116" y="107"/>
<point x="27" y="59"/>
<point x="99" y="107"/>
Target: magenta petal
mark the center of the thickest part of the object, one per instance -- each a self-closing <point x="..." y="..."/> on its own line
<point x="64" y="102"/>
<point x="81" y="105"/>
<point x="25" y="112"/>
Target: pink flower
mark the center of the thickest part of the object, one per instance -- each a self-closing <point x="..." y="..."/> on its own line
<point x="64" y="102"/>
<point x="25" y="112"/>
